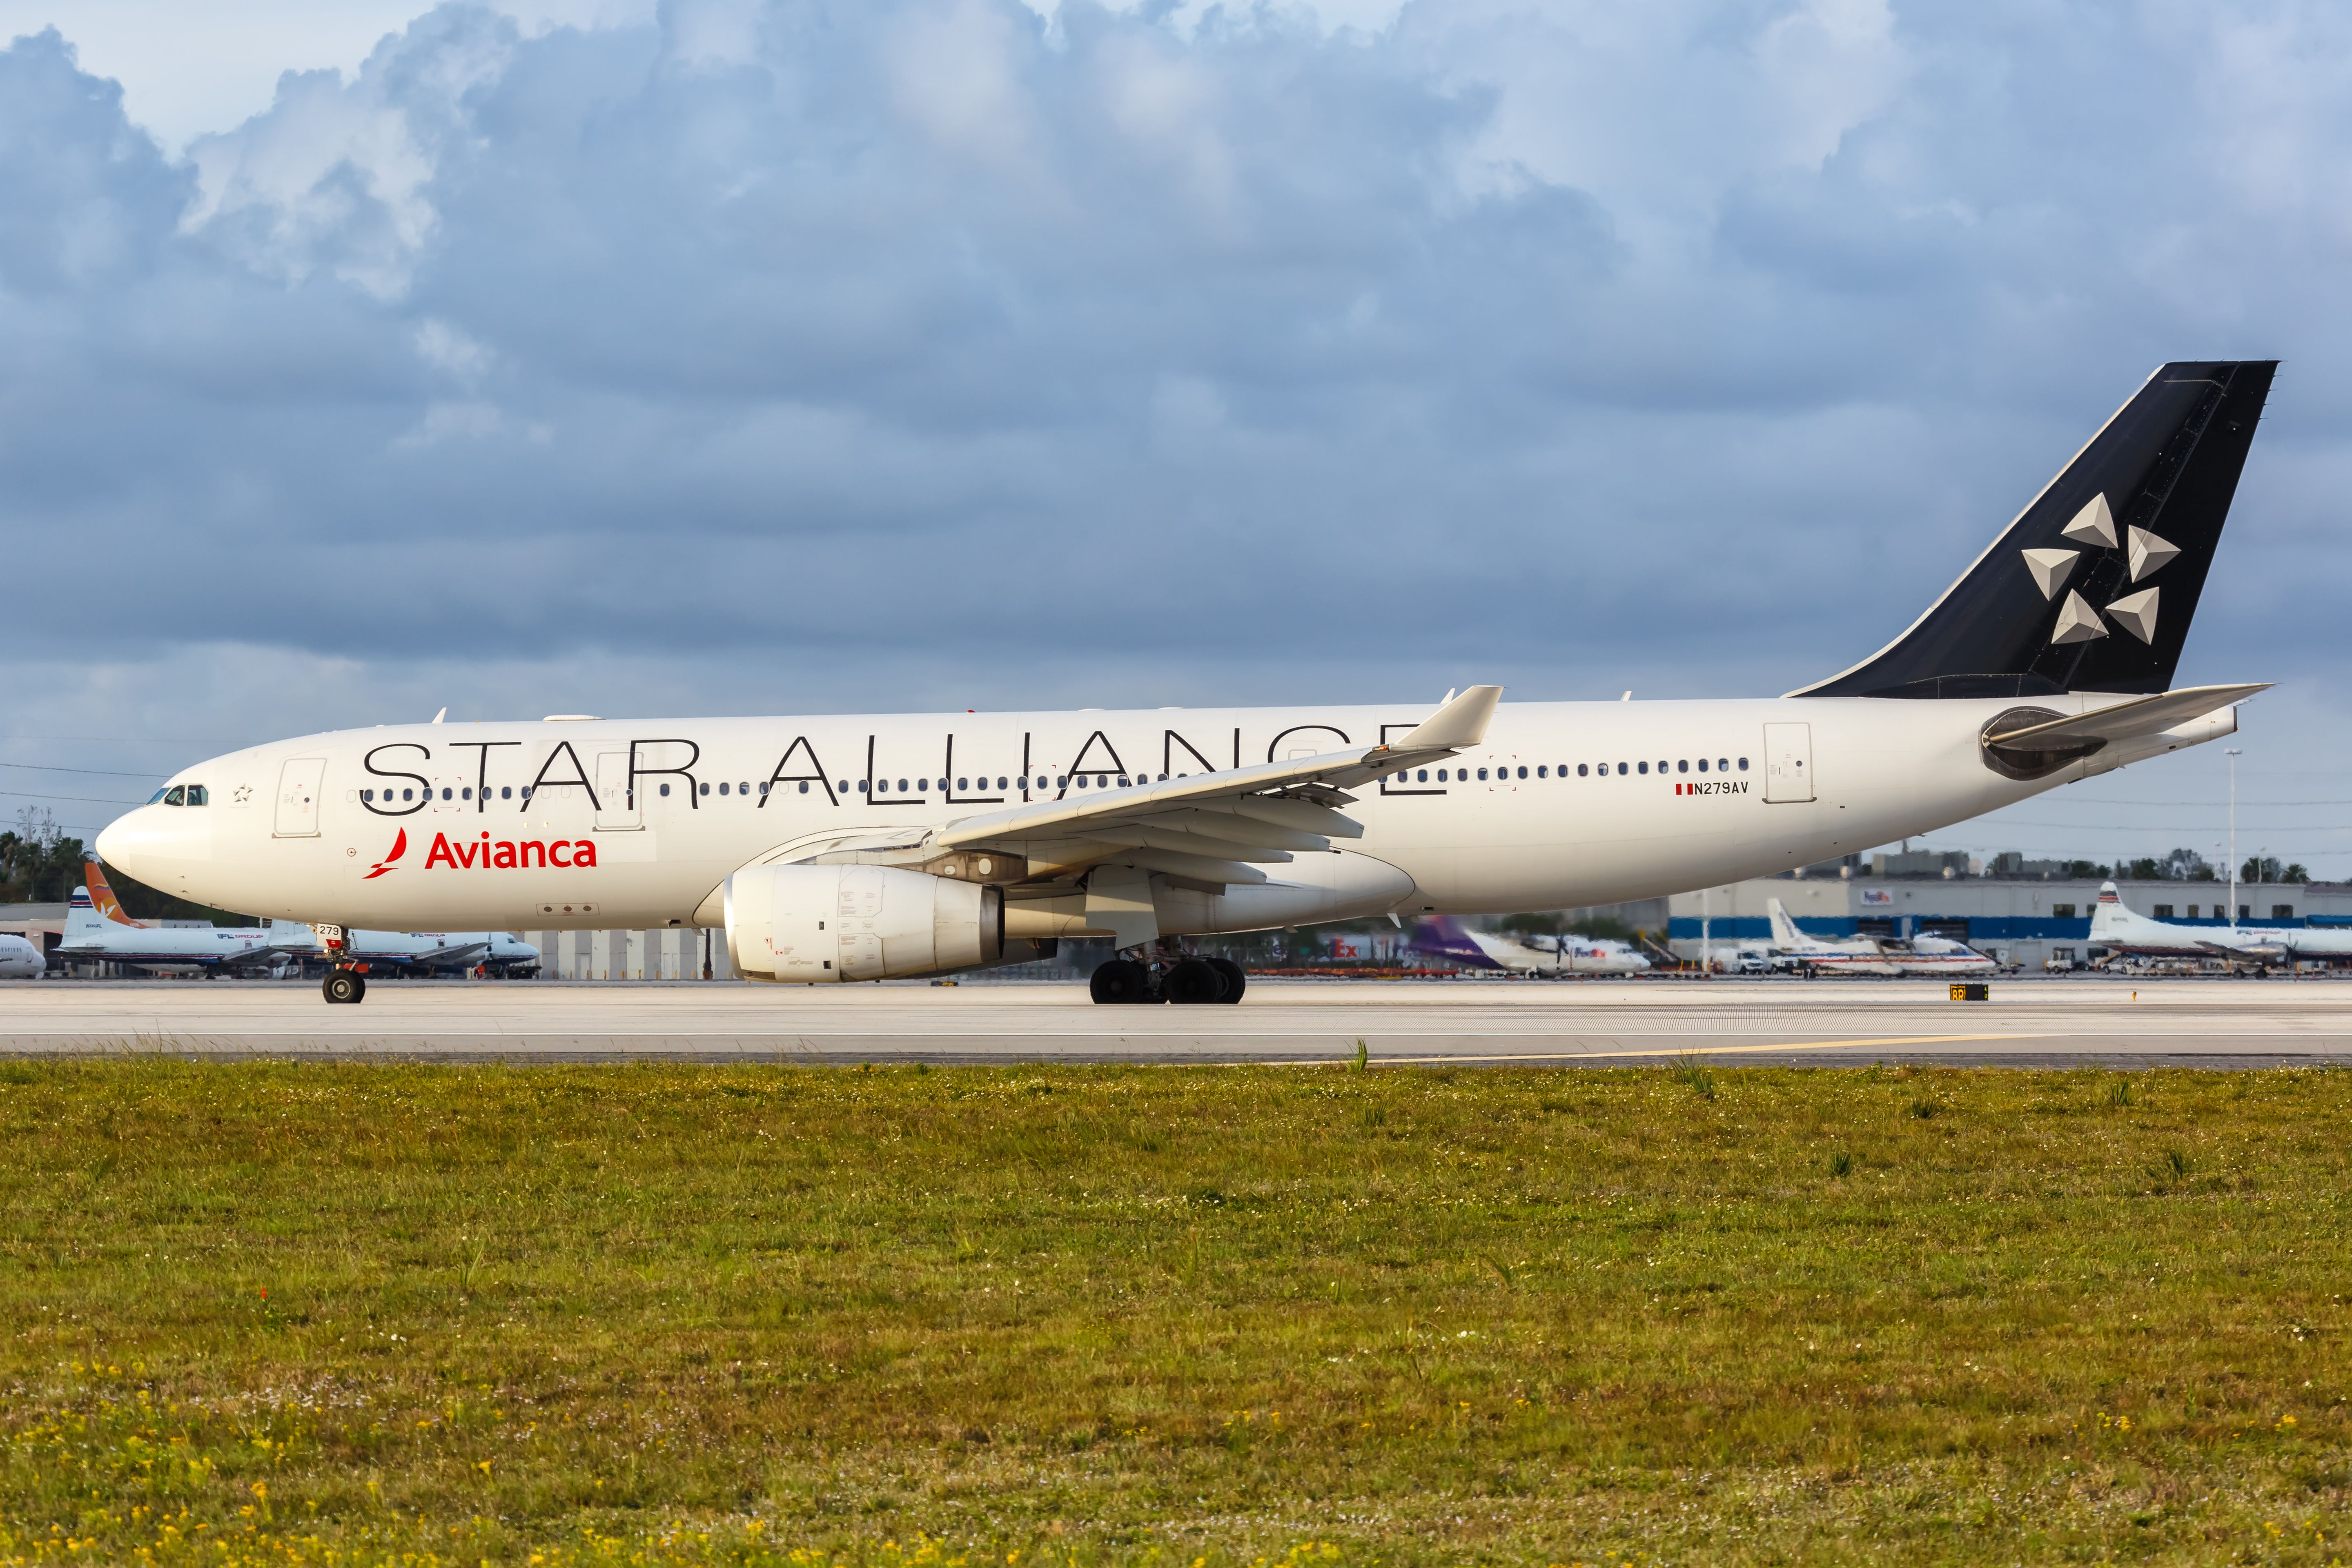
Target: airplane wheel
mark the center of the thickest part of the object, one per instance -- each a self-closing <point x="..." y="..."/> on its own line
<point x="1192" y="981"/>
<point x="1120" y="980"/>
<point x="1235" y="980"/>
<point x="342" y="985"/>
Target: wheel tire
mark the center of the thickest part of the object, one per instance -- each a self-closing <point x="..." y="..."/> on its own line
<point x="1235" y="980"/>
<point x="1120" y="981"/>
<point x="1192" y="981"/>
<point x="343" y="986"/>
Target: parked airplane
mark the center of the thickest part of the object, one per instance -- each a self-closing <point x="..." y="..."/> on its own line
<point x="1443" y="936"/>
<point x="92" y="934"/>
<point x="2117" y="927"/>
<point x="862" y="848"/>
<point x="1792" y="948"/>
<point x="97" y="928"/>
<point x="20" y="958"/>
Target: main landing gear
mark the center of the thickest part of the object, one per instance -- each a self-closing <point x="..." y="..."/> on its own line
<point x="1167" y="975"/>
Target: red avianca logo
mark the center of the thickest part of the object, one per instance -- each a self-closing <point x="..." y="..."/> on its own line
<point x="399" y="847"/>
<point x="486" y="854"/>
<point x="503" y="855"/>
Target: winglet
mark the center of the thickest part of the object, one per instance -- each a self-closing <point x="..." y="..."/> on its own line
<point x="1462" y="721"/>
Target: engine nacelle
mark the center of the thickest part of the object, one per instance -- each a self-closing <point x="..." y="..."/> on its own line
<point x="816" y="925"/>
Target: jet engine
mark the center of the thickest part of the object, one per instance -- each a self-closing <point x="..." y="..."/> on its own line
<point x="816" y="925"/>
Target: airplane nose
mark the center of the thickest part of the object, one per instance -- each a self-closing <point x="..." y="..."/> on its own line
<point x="156" y="842"/>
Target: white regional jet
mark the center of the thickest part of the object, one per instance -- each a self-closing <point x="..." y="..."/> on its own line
<point x="2142" y="936"/>
<point x="20" y="958"/>
<point x="857" y="847"/>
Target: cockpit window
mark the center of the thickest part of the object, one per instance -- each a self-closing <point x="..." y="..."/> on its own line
<point x="175" y="795"/>
<point x="157" y="797"/>
<point x="199" y="796"/>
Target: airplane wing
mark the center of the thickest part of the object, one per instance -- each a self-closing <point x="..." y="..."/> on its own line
<point x="1217" y="828"/>
<point x="456" y="952"/>
<point x="2123" y="721"/>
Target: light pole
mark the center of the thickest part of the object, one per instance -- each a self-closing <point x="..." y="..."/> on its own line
<point x="2231" y="753"/>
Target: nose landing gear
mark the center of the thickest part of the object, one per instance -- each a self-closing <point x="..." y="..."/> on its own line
<point x="343" y="983"/>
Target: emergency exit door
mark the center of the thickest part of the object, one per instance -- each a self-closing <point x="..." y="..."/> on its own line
<point x="1788" y="762"/>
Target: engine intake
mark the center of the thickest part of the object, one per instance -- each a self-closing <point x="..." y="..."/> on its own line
<point x="816" y="925"/>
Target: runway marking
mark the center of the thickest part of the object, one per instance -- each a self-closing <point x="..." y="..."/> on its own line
<point x="1681" y="1051"/>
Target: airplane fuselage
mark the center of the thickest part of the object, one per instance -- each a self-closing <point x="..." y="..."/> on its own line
<point x="608" y="823"/>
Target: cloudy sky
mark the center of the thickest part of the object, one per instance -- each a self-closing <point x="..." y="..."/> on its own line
<point x="761" y="356"/>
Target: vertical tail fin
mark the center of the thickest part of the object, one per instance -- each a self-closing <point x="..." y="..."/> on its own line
<point x="1785" y="934"/>
<point x="82" y="920"/>
<point x="101" y="897"/>
<point x="2092" y="587"/>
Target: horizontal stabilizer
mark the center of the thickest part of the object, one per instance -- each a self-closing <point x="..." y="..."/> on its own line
<point x="2122" y="722"/>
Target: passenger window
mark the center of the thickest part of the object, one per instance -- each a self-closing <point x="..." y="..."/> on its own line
<point x="1623" y="770"/>
<point x="364" y="795"/>
<point x="1001" y="785"/>
<point x="902" y="786"/>
<point x="763" y="788"/>
<point x="1743" y="764"/>
<point x="922" y="786"/>
<point x="467" y="793"/>
<point x="1122" y="781"/>
<point x="1542" y="774"/>
<point x="526" y="791"/>
<point x="1723" y="764"/>
<point x="1681" y="767"/>
<point x="665" y="791"/>
<point x="1643" y="766"/>
<point x="1482" y="773"/>
<point x="861" y="786"/>
<point x="175" y="795"/>
<point x="743" y="789"/>
<point x="1579" y="770"/>
<point x="1425" y="776"/>
<point x="962" y="785"/>
<point x="1102" y="781"/>
<point x="505" y="792"/>
<point x="445" y="792"/>
<point x="406" y="793"/>
<point x="1702" y="764"/>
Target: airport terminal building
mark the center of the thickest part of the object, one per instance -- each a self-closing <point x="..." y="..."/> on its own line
<point x="2023" y="920"/>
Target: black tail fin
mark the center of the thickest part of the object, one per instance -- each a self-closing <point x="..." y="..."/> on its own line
<point x="2092" y="588"/>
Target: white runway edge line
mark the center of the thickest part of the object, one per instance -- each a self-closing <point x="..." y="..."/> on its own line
<point x="1677" y="1051"/>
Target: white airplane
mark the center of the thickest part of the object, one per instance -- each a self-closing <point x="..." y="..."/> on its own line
<point x="20" y="958"/>
<point x="1443" y="936"/>
<point x="858" y="847"/>
<point x="97" y="928"/>
<point x="1792" y="948"/>
<point x="2118" y="928"/>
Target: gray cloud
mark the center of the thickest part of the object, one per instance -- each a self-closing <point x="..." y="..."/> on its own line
<point x="935" y="352"/>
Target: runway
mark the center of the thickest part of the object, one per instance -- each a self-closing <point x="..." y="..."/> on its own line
<point x="2029" y="1022"/>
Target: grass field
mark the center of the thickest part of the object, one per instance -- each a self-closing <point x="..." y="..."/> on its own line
<point x="352" y="1314"/>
